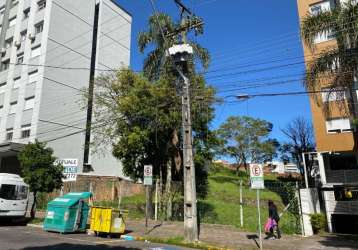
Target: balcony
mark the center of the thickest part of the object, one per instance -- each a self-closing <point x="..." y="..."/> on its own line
<point x="339" y="168"/>
<point x="342" y="176"/>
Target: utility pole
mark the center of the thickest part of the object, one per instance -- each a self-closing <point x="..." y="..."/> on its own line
<point x="181" y="54"/>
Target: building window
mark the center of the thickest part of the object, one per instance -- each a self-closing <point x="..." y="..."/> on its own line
<point x="320" y="7"/>
<point x="39" y="28"/>
<point x="23" y="35"/>
<point x="5" y="65"/>
<point x="17" y="81"/>
<point x="29" y="102"/>
<point x="25" y="132"/>
<point x="20" y="58"/>
<point x="13" y="106"/>
<point x="9" y="134"/>
<point x="12" y="21"/>
<point x="8" y="43"/>
<point x="33" y="76"/>
<point x="26" y="13"/>
<point x="14" y="3"/>
<point x="41" y="4"/>
<point x="36" y="51"/>
<point x="339" y="125"/>
<point x="316" y="9"/>
<point x="333" y="96"/>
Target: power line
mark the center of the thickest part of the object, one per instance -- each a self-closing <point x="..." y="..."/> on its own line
<point x="84" y="21"/>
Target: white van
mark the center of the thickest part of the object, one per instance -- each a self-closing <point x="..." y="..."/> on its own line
<point x="14" y="196"/>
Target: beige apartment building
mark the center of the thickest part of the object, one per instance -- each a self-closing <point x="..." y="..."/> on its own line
<point x="336" y="158"/>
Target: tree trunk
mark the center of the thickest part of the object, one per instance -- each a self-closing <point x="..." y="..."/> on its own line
<point x="168" y="190"/>
<point x="33" y="207"/>
<point x="245" y="164"/>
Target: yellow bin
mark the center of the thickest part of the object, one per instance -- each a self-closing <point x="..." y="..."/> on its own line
<point x="107" y="220"/>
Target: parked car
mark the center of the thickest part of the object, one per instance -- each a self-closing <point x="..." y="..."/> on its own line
<point x="14" y="196"/>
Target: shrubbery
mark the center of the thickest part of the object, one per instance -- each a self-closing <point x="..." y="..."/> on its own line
<point x="318" y="222"/>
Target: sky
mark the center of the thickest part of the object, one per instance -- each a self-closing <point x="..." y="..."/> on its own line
<point x="255" y="49"/>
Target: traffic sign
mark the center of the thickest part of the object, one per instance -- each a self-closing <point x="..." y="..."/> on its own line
<point x="257" y="176"/>
<point x="148" y="175"/>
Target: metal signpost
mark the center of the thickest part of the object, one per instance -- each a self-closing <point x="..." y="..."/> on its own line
<point x="147" y="181"/>
<point x="257" y="182"/>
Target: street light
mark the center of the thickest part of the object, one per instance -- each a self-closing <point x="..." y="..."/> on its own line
<point x="243" y="97"/>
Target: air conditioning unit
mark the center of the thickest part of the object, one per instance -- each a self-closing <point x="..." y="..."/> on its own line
<point x="32" y="37"/>
<point x="3" y="51"/>
<point x="18" y="44"/>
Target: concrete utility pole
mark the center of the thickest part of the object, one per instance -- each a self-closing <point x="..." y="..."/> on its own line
<point x="182" y="54"/>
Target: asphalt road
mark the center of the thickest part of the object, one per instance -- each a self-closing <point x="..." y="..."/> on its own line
<point x="31" y="238"/>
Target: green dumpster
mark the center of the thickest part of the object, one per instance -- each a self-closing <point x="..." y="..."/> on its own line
<point x="67" y="214"/>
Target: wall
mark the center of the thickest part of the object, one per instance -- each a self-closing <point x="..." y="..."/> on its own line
<point x="69" y="45"/>
<point x="114" y="41"/>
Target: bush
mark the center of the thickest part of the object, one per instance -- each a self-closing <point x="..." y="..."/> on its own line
<point x="318" y="222"/>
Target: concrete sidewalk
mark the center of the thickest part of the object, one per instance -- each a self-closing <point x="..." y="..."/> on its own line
<point x="232" y="238"/>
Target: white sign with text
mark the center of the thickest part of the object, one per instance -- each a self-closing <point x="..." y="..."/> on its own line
<point x="70" y="168"/>
<point x="257" y="176"/>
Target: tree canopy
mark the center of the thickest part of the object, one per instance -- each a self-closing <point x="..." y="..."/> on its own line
<point x="157" y="63"/>
<point x="246" y="139"/>
<point x="143" y="116"/>
<point x="39" y="169"/>
<point x="299" y="133"/>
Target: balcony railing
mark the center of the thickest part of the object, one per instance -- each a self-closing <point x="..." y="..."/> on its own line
<point x="342" y="176"/>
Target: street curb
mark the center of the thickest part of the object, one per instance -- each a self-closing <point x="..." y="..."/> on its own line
<point x="199" y="245"/>
<point x="34" y="225"/>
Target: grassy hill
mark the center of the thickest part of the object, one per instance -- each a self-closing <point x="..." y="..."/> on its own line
<point x="222" y="204"/>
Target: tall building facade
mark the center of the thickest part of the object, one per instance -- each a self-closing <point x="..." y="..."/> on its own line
<point x="51" y="52"/>
<point x="337" y="154"/>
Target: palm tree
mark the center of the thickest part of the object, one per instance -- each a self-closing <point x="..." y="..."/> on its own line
<point x="336" y="67"/>
<point x="156" y="61"/>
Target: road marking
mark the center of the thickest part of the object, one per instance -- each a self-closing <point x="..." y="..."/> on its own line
<point x="35" y="231"/>
<point x="108" y="241"/>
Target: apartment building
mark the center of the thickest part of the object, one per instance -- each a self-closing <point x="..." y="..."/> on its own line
<point x="51" y="50"/>
<point x="336" y="158"/>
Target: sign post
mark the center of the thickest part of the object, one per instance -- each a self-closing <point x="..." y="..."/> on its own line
<point x="148" y="181"/>
<point x="257" y="182"/>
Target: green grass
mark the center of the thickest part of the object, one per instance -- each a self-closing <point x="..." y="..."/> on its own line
<point x="222" y="204"/>
<point x="134" y="204"/>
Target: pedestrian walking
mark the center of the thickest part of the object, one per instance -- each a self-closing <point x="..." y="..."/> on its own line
<point x="273" y="221"/>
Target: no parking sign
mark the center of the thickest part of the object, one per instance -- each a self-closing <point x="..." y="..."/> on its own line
<point x="148" y="175"/>
<point x="257" y="176"/>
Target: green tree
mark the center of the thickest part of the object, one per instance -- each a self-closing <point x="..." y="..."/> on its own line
<point x="142" y="121"/>
<point x="335" y="67"/>
<point x="247" y="139"/>
<point x="156" y="63"/>
<point x="39" y="170"/>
